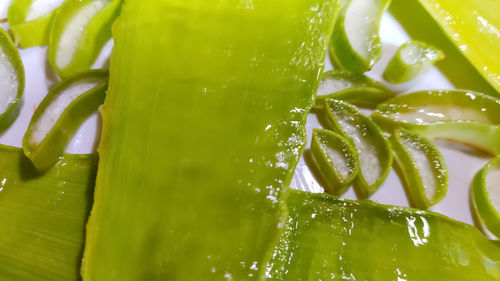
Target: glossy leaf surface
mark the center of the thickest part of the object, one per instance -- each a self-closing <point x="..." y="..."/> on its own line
<point x="43" y="216"/>
<point x="203" y="127"/>
<point x="328" y="238"/>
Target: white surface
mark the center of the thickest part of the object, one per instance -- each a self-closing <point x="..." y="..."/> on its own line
<point x="462" y="162"/>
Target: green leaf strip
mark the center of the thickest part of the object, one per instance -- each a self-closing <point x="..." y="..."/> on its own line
<point x="60" y="114"/>
<point x="78" y="31"/>
<point x="374" y="150"/>
<point x="485" y="190"/>
<point x="355" y="45"/>
<point x="336" y="159"/>
<point x="458" y="115"/>
<point x="411" y="60"/>
<point x="357" y="89"/>
<point x="12" y="80"/>
<point x="423" y="168"/>
<point x="29" y="21"/>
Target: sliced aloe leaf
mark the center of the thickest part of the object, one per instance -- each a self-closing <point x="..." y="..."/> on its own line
<point x="411" y="60"/>
<point x="29" y="20"/>
<point x="354" y="88"/>
<point x="202" y="130"/>
<point x="423" y="168"/>
<point x="79" y="30"/>
<point x="43" y="216"/>
<point x="374" y="150"/>
<point x="60" y="114"/>
<point x="328" y="238"/>
<point x="474" y="28"/>
<point x="355" y="44"/>
<point x="336" y="80"/>
<point x="463" y="116"/>
<point x="486" y="195"/>
<point x="11" y="81"/>
<point x="336" y="160"/>
<point x="480" y="136"/>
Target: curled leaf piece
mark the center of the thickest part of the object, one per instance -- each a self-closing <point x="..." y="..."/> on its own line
<point x="29" y="20"/>
<point x="412" y="59"/>
<point x="423" y="168"/>
<point x="374" y="150"/>
<point x="463" y="116"/>
<point x="11" y="81"/>
<point x="355" y="44"/>
<point x="336" y="160"/>
<point x="486" y="195"/>
<point x="60" y="114"/>
<point x="354" y="88"/>
<point x="79" y="30"/>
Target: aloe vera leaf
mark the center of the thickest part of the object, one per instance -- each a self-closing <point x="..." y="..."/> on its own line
<point x="60" y="114"/>
<point x="411" y="60"/>
<point x="474" y="28"/>
<point x="485" y="191"/>
<point x="78" y="32"/>
<point x="355" y="45"/>
<point x="328" y="238"/>
<point x="42" y="216"/>
<point x="29" y="20"/>
<point x="11" y="81"/>
<point x="354" y="88"/>
<point x="463" y="116"/>
<point x="202" y="130"/>
<point x="336" y="159"/>
<point x="374" y="150"/>
<point x="422" y="166"/>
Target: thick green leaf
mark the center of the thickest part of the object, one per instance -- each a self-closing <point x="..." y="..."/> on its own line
<point x="328" y="238"/>
<point x="42" y="216"/>
<point x="203" y="127"/>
